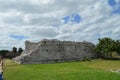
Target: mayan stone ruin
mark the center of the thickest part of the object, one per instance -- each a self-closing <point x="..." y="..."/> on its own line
<point x="51" y="51"/>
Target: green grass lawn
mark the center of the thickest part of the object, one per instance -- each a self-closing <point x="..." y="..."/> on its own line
<point x="83" y="70"/>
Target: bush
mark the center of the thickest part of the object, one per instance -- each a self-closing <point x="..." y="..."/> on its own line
<point x="86" y="59"/>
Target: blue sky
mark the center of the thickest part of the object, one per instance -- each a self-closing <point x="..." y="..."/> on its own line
<point x="18" y="37"/>
<point x="112" y="2"/>
<point x="115" y="5"/>
<point x="74" y="20"/>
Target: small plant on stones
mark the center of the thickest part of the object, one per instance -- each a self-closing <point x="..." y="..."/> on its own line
<point x="86" y="59"/>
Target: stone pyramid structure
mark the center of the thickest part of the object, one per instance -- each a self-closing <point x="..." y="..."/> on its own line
<point x="52" y="51"/>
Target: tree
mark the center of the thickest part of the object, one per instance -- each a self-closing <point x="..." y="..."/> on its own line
<point x="14" y="52"/>
<point x="3" y="52"/>
<point x="20" y="50"/>
<point x="14" y="49"/>
<point x="105" y="47"/>
<point x="117" y="46"/>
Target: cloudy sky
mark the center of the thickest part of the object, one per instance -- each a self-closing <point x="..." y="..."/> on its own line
<point x="74" y="20"/>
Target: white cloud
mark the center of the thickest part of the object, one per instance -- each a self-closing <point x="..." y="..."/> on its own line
<point x="39" y="19"/>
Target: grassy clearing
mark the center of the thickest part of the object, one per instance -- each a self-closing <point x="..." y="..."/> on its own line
<point x="88" y="70"/>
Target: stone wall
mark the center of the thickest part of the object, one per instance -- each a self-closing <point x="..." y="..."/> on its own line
<point x="29" y="46"/>
<point x="49" y="51"/>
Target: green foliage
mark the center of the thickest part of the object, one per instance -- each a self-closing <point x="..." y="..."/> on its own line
<point x="86" y="59"/>
<point x="106" y="46"/>
<point x="117" y="47"/>
<point x="11" y="54"/>
<point x="20" y="50"/>
<point x="3" y="52"/>
<point x="14" y="49"/>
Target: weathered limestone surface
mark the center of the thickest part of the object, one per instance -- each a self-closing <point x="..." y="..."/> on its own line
<point x="50" y="51"/>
